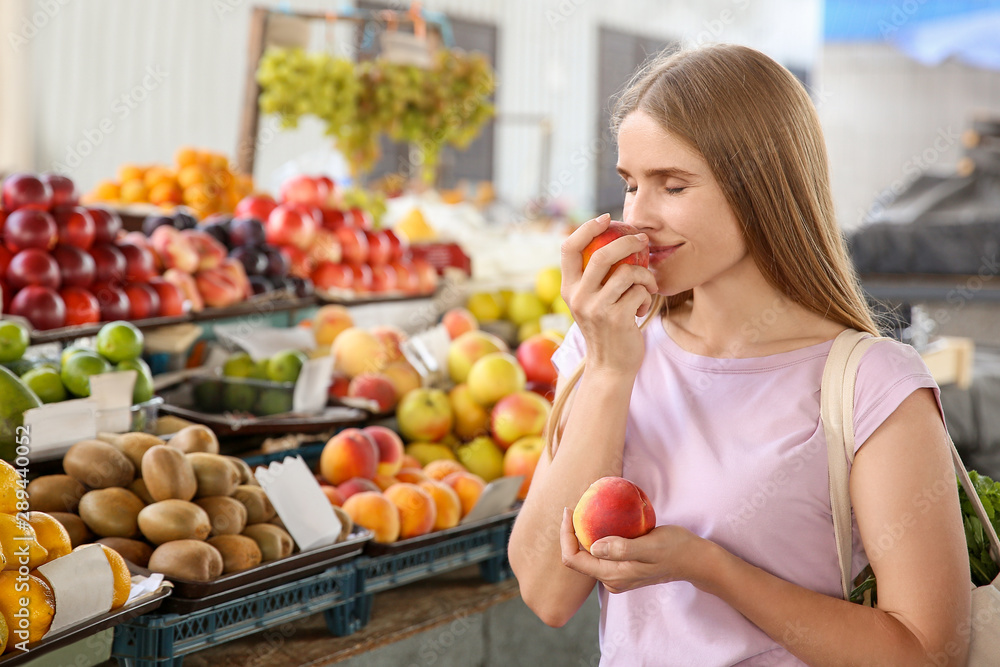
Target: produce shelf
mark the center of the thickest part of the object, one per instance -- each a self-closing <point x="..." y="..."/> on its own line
<point x="164" y="639"/>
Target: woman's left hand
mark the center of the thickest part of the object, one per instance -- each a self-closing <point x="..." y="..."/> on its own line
<point x="664" y="554"/>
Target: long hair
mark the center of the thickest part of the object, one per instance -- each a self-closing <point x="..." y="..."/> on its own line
<point x="755" y="126"/>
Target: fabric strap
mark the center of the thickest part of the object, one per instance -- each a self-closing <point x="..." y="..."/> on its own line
<point x="837" y="412"/>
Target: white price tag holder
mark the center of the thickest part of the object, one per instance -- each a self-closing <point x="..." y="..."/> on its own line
<point x="310" y="393"/>
<point x="54" y="427"/>
<point x="113" y="393"/>
<point x="427" y="352"/>
<point x="79" y="597"/>
<point x="263" y="342"/>
<point x="498" y="497"/>
<point x="301" y="504"/>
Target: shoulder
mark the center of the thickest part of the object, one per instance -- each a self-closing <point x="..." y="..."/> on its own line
<point x="888" y="373"/>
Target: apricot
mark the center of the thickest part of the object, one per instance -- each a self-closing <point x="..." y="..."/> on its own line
<point x="441" y="468"/>
<point x="468" y="486"/>
<point x="447" y="502"/>
<point x="350" y="453"/>
<point x="372" y="510"/>
<point x="612" y="506"/>
<point x="417" y="510"/>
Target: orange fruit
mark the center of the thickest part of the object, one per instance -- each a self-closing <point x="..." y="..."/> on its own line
<point x="191" y="175"/>
<point x="133" y="191"/>
<point x="156" y="175"/>
<point x="41" y="604"/>
<point x="50" y="534"/>
<point x="4" y="633"/>
<point x="15" y="536"/>
<point x="441" y="468"/>
<point x="10" y="483"/>
<point x="107" y="191"/>
<point x="218" y="161"/>
<point x="165" y="192"/>
<point x="123" y="578"/>
<point x="129" y="172"/>
<point x="186" y="156"/>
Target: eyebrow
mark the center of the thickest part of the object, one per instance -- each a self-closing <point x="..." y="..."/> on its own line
<point x="664" y="172"/>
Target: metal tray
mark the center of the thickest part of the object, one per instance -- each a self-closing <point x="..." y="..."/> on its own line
<point x="193" y="595"/>
<point x="235" y="424"/>
<point x="378" y="549"/>
<point x="87" y="628"/>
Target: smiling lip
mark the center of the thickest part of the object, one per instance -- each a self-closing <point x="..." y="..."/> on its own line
<point x="660" y="253"/>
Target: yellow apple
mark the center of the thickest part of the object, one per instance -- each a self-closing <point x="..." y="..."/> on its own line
<point x="424" y="414"/>
<point x="469" y="348"/>
<point x="525" y="307"/>
<point x="471" y="419"/>
<point x="518" y="415"/>
<point x="485" y="307"/>
<point x="482" y="457"/>
<point x="548" y="283"/>
<point x="425" y="452"/>
<point x="494" y="376"/>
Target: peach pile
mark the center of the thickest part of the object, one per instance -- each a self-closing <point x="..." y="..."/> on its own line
<point x="380" y="488"/>
<point x="612" y="506"/>
<point x="368" y="363"/>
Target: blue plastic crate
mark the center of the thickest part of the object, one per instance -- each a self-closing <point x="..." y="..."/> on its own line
<point x="310" y="453"/>
<point x="486" y="546"/>
<point x="161" y="640"/>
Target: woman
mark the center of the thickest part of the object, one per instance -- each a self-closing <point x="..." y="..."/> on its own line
<point x="698" y="378"/>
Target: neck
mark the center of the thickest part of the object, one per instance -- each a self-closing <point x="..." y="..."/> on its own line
<point x="738" y="314"/>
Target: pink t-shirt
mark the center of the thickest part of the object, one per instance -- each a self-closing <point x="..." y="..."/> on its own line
<point x="734" y="450"/>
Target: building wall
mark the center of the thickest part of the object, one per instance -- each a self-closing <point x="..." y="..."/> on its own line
<point x="116" y="81"/>
<point x="887" y="117"/>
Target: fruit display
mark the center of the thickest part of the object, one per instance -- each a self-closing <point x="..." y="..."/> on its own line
<point x="336" y="245"/>
<point x="368" y="363"/>
<point x="522" y="309"/>
<point x="177" y="507"/>
<point x="119" y="347"/>
<point x="261" y="388"/>
<point x="200" y="180"/>
<point x="446" y="104"/>
<point x="29" y="540"/>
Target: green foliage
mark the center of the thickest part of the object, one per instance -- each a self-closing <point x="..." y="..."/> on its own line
<point x="984" y="569"/>
<point x="446" y="104"/>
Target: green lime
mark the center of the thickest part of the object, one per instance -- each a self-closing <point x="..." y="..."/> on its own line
<point x="46" y="383"/>
<point x="285" y="366"/>
<point x="70" y="351"/>
<point x="273" y="402"/>
<point x="239" y="365"/>
<point x="119" y="341"/>
<point x="259" y="371"/>
<point x="19" y="366"/>
<point x="143" y="390"/>
<point x="78" y="368"/>
<point x="238" y="397"/>
<point x="15" y="398"/>
<point x="14" y="340"/>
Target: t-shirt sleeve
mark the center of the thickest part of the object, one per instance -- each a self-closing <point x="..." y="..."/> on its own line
<point x="889" y="372"/>
<point x="570" y="352"/>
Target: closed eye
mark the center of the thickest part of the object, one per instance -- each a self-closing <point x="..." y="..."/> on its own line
<point x="675" y="191"/>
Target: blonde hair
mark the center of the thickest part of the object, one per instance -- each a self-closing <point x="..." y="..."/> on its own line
<point x="755" y="126"/>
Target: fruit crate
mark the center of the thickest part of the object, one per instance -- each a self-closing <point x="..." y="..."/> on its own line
<point x="430" y="555"/>
<point x="160" y="640"/>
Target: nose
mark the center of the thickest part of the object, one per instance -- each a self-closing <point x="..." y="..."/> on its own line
<point x="637" y="213"/>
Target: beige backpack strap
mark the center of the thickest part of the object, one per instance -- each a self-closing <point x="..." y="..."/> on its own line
<point x="837" y="413"/>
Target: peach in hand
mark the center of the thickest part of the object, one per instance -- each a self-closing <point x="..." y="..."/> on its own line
<point x="612" y="506"/>
<point x="616" y="230"/>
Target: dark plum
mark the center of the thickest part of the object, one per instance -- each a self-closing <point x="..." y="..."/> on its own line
<point x="246" y="231"/>
<point x="277" y="263"/>
<point x="254" y="260"/>
<point x="150" y="224"/>
<point x="260" y="284"/>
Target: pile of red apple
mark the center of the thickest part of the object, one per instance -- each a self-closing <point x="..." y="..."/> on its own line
<point x="336" y="248"/>
<point x="63" y="264"/>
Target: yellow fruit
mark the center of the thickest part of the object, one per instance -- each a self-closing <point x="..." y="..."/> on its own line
<point x="559" y="306"/>
<point x="157" y="175"/>
<point x="19" y="544"/>
<point x="191" y="175"/>
<point x="41" y="604"/>
<point x="414" y="227"/>
<point x="528" y="329"/>
<point x="133" y="191"/>
<point x="485" y="307"/>
<point x="186" y="156"/>
<point x="4" y="633"/>
<point x="130" y="172"/>
<point x="548" y="283"/>
<point x="525" y="307"/>
<point x="50" y="534"/>
<point x="107" y="191"/>
<point x="123" y="578"/>
<point x="425" y="452"/>
<point x="12" y="487"/>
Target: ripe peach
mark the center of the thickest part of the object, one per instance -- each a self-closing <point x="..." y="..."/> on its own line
<point x="350" y="453"/>
<point x="521" y="458"/>
<point x="356" y="351"/>
<point x="457" y="321"/>
<point x="471" y="419"/>
<point x="390" y="449"/>
<point x="329" y="322"/>
<point x="520" y="414"/>
<point x="417" y="511"/>
<point x="403" y="377"/>
<point x="615" y="231"/>
<point x="467" y="349"/>
<point x="373" y="387"/>
<point x="410" y="461"/>
<point x="612" y="506"/>
<point x="372" y="510"/>
<point x="383" y="482"/>
<point x="412" y="475"/>
<point x="447" y="502"/>
<point x="535" y="357"/>
<point x="332" y="495"/>
<point x="356" y="485"/>
<point x="468" y="486"/>
<point x="441" y="468"/>
<point x="391" y="339"/>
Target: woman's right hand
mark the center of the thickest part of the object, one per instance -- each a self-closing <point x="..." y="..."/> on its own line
<point x="606" y="313"/>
